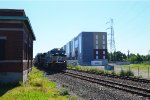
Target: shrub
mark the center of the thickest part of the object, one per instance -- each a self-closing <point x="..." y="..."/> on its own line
<point x="122" y="73"/>
<point x="63" y="92"/>
<point x="129" y="73"/>
<point x="113" y="73"/>
<point x="35" y="74"/>
<point x="126" y="73"/>
<point x="137" y="76"/>
<point x="73" y="98"/>
<point x="107" y="72"/>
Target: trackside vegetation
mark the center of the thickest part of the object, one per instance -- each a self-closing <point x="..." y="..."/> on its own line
<point x="128" y="73"/>
<point x="143" y="67"/>
<point x="36" y="88"/>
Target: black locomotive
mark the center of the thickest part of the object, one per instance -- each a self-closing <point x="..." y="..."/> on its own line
<point x="54" y="60"/>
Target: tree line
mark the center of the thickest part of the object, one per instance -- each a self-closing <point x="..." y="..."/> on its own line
<point x="133" y="58"/>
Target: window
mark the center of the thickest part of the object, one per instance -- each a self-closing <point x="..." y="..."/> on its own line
<point x="96" y="46"/>
<point x="76" y="43"/>
<point x="96" y="37"/>
<point x="103" y="41"/>
<point x="103" y="46"/>
<point x="96" y="41"/>
<point x="96" y="57"/>
<point x="103" y="57"/>
<point x="103" y="52"/>
<point x="97" y="52"/>
<point x="2" y="49"/>
<point x="103" y="37"/>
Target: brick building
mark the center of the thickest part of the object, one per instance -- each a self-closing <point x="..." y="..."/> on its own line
<point x="16" y="45"/>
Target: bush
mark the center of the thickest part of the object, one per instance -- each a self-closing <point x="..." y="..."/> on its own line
<point x="63" y="92"/>
<point x="113" y="73"/>
<point x="137" y="76"/>
<point x="35" y="73"/>
<point x="129" y="73"/>
<point x="122" y="73"/>
<point x="126" y="73"/>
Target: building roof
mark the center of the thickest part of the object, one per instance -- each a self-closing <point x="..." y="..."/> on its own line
<point x="13" y="14"/>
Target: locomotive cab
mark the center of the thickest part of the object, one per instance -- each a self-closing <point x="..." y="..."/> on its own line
<point x="57" y="59"/>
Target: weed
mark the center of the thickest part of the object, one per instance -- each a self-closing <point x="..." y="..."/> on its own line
<point x="129" y="73"/>
<point x="122" y="73"/>
<point x="126" y="73"/>
<point x="113" y="73"/>
<point x="72" y="98"/>
<point x="64" y="92"/>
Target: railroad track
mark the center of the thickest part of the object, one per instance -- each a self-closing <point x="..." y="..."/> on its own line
<point x="128" y="88"/>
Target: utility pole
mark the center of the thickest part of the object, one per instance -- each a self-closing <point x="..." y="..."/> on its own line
<point x="148" y="59"/>
<point x="111" y="38"/>
<point x="128" y="54"/>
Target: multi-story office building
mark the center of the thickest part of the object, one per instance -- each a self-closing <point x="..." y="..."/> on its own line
<point x="89" y="48"/>
<point x="16" y="45"/>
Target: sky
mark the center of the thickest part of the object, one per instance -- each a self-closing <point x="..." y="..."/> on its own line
<point x="56" y="22"/>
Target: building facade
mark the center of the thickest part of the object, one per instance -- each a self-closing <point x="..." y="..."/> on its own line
<point x="89" y="48"/>
<point x="16" y="45"/>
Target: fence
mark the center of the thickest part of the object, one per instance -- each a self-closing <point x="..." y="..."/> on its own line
<point x="141" y="71"/>
<point x="138" y="70"/>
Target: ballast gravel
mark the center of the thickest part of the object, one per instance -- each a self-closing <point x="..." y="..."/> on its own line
<point x="90" y="91"/>
<point x="127" y="82"/>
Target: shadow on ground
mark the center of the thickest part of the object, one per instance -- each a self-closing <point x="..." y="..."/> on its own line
<point x="6" y="87"/>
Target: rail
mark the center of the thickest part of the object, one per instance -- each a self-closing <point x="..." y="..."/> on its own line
<point x="128" y="88"/>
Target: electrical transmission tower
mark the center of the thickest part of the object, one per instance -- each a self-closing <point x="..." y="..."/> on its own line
<point x="111" y="38"/>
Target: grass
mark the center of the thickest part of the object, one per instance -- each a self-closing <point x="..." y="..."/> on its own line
<point x="88" y="69"/>
<point x="6" y="87"/>
<point x="135" y="67"/>
<point x="128" y="73"/>
<point x="36" y="88"/>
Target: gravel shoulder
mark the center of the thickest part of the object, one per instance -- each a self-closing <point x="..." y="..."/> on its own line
<point x="84" y="90"/>
<point x="123" y="81"/>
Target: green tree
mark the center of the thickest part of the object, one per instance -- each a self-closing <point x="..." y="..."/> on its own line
<point x="139" y="58"/>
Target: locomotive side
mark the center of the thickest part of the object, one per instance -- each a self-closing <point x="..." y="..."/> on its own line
<point x="54" y="59"/>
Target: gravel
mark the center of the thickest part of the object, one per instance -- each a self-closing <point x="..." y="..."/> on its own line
<point x="127" y="82"/>
<point x="90" y="91"/>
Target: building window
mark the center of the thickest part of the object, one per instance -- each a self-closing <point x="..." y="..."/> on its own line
<point x="103" y="52"/>
<point x="96" y="41"/>
<point x="96" y="46"/>
<point x="76" y="43"/>
<point x="2" y="49"/>
<point x="103" y="41"/>
<point x="97" y="52"/>
<point x="96" y="57"/>
<point x="103" y="57"/>
<point x="103" y="46"/>
<point x="96" y="37"/>
<point x="103" y="37"/>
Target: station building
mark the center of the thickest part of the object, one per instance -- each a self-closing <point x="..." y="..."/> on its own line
<point x="16" y="45"/>
<point x="88" y="48"/>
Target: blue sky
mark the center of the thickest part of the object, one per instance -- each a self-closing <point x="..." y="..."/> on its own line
<point x="55" y="22"/>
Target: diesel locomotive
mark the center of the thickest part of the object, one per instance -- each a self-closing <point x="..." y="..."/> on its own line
<point x="54" y="59"/>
